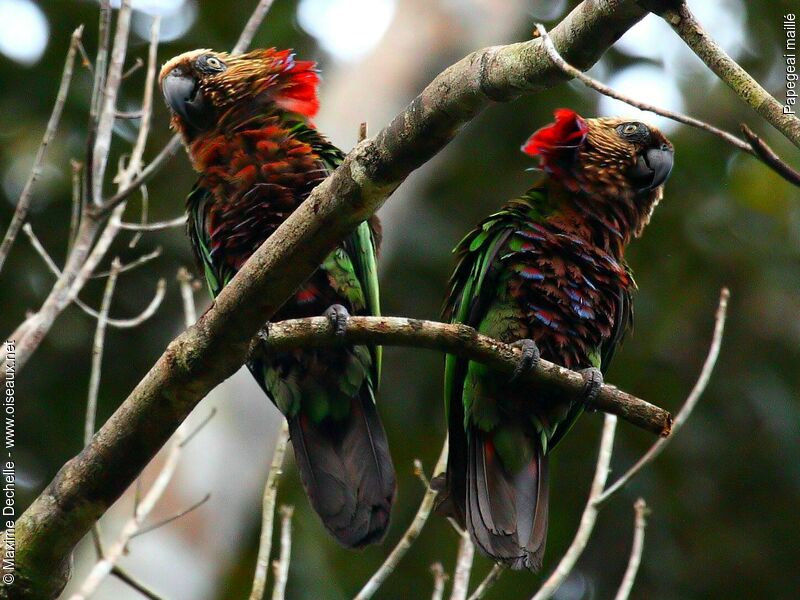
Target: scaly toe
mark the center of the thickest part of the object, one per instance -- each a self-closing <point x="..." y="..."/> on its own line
<point x="528" y="361"/>
<point x="594" y="381"/>
<point x="338" y="316"/>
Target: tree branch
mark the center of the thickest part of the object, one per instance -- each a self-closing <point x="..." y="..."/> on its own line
<point x="684" y="23"/>
<point x="24" y="202"/>
<point x="464" y="341"/>
<point x="640" y="522"/>
<point x="411" y="534"/>
<point x="589" y="516"/>
<point x="217" y="345"/>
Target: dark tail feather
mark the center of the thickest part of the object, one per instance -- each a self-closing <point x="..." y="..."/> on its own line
<point x="347" y="471"/>
<point x="506" y="513"/>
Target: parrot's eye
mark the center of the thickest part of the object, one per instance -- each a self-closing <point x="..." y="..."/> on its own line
<point x="210" y="64"/>
<point x="634" y="132"/>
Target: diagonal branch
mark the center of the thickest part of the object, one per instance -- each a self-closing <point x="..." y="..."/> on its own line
<point x="754" y="145"/>
<point x="684" y="23"/>
<point x="24" y="202"/>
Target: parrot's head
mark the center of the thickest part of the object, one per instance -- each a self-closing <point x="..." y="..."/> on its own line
<point x="207" y="90"/>
<point x="616" y="162"/>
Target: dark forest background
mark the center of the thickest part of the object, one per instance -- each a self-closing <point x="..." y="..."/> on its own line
<point x="725" y="495"/>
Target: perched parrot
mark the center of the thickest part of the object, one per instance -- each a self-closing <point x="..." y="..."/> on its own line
<point x="245" y="123"/>
<point x="547" y="273"/>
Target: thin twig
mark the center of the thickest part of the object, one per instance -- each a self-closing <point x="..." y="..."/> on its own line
<point x="439" y="581"/>
<point x="253" y="23"/>
<point x="23" y="204"/>
<point x="137" y="64"/>
<point x="268" y="514"/>
<point x="281" y="566"/>
<point x="97" y="353"/>
<point x="137" y="585"/>
<point x="776" y="164"/>
<point x="175" y="517"/>
<point x="409" y="537"/>
<point x="144" y="216"/>
<point x="132" y="115"/>
<point x="589" y="517"/>
<point x="156" y="226"/>
<point x="769" y="156"/>
<point x="640" y="522"/>
<point x="85" y="60"/>
<point x="687" y="408"/>
<point x="105" y="123"/>
<point x="94" y="379"/>
<point x="684" y="23"/>
<point x="150" y="309"/>
<point x="77" y="204"/>
<point x="488" y="581"/>
<point x="200" y="426"/>
<point x="138" y="262"/>
<point x="466" y="553"/>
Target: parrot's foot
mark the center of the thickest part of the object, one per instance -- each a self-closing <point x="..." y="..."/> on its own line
<point x="338" y="316"/>
<point x="594" y="381"/>
<point x="530" y="358"/>
<point x="263" y="333"/>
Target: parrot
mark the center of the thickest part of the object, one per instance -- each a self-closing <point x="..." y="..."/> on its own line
<point x="546" y="273"/>
<point x="245" y="120"/>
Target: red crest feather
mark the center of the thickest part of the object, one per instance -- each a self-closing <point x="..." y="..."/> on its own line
<point x="298" y="85"/>
<point x="556" y="142"/>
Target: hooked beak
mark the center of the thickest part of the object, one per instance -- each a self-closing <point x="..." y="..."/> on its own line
<point x="653" y="167"/>
<point x="183" y="96"/>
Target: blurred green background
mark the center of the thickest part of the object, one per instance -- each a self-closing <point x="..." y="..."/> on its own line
<point x="725" y="495"/>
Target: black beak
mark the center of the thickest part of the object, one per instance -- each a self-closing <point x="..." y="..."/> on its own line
<point x="653" y="167"/>
<point x="183" y="96"/>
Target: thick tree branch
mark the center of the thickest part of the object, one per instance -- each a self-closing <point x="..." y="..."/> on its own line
<point x="217" y="345"/>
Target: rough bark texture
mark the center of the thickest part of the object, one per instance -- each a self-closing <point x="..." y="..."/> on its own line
<point x="212" y="350"/>
<point x="466" y="342"/>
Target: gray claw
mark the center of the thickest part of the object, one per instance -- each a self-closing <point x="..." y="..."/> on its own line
<point x="529" y="360"/>
<point x="338" y="316"/>
<point x="594" y="381"/>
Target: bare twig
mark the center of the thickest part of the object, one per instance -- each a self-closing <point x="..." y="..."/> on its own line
<point x="769" y="156"/>
<point x="157" y="226"/>
<point x="772" y="161"/>
<point x="23" y="204"/>
<point x="175" y="517"/>
<point x="137" y="585"/>
<point x="281" y="566"/>
<point x="148" y="312"/>
<point x="488" y="581"/>
<point x="439" y="581"/>
<point x="138" y="262"/>
<point x="138" y="63"/>
<point x="77" y="203"/>
<point x="105" y="123"/>
<point x="687" y="408"/>
<point x="640" y="522"/>
<point x="253" y="23"/>
<point x="684" y="23"/>
<point x="409" y="537"/>
<point x="466" y="552"/>
<point x="268" y="514"/>
<point x="589" y="516"/>
<point x="97" y="353"/>
<point x="200" y="426"/>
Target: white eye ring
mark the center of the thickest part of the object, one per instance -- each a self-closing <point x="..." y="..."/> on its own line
<point x="630" y="128"/>
<point x="213" y="62"/>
